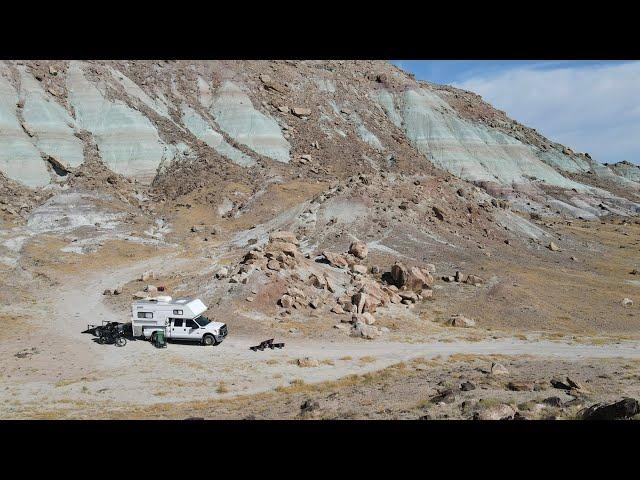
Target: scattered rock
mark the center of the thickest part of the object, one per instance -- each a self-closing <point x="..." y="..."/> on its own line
<point x="309" y="405"/>
<point x="460" y="277"/>
<point x="467" y="386"/>
<point x="337" y="309"/>
<point x="273" y="265"/>
<point x="301" y="112"/>
<point x="446" y="396"/>
<point x="414" y="278"/>
<point x="559" y="384"/>
<point x="363" y="330"/>
<point x="498" y="369"/>
<point x="222" y="273"/>
<point x="438" y="213"/>
<point x="552" y="401"/>
<point x="359" y="249"/>
<point x="286" y="301"/>
<point x="461" y="321"/>
<point x="474" y="280"/>
<point x="307" y="362"/>
<point x="146" y="276"/>
<point x="335" y="259"/>
<point x="625" y="408"/>
<point x="520" y="386"/>
<point x="283" y="236"/>
<point x="361" y="269"/>
<point x="498" y="412"/>
<point x="575" y="384"/>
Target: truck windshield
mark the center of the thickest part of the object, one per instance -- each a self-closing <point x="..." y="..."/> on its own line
<point x="203" y="321"/>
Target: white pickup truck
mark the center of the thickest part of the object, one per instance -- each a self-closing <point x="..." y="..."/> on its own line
<point x="180" y="319"/>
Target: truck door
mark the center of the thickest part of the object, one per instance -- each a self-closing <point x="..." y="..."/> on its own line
<point x="177" y="328"/>
<point x="192" y="329"/>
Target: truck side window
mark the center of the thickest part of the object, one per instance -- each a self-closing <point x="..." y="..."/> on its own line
<point x="177" y="322"/>
<point x="192" y="324"/>
<point x="177" y="312"/>
<point x="145" y="314"/>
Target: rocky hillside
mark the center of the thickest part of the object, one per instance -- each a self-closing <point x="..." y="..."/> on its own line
<point x="182" y="127"/>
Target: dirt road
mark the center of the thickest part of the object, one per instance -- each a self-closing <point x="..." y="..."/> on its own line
<point x="69" y="367"/>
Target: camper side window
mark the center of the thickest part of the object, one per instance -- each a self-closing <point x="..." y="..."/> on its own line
<point x="177" y="322"/>
<point x="145" y="314"/>
<point x="177" y="312"/>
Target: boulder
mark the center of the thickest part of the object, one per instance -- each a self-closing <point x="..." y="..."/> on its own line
<point x="467" y="386"/>
<point x="273" y="265"/>
<point x="553" y="247"/>
<point x="498" y="412"/>
<point x="278" y="246"/>
<point x="309" y="406"/>
<point x="627" y="302"/>
<point x="552" y="401"/>
<point x="315" y="303"/>
<point x="284" y="236"/>
<point x="222" y="273"/>
<point x="117" y="290"/>
<point x="359" y="249"/>
<point x="363" y="330"/>
<point x="301" y="112"/>
<point x="444" y="396"/>
<point x="474" y="280"/>
<point x="336" y="259"/>
<point x="337" y="309"/>
<point x="460" y="277"/>
<point x="365" y="318"/>
<point x="412" y="278"/>
<point x="438" y="213"/>
<point x="151" y="289"/>
<point x="574" y="384"/>
<point x="520" y="386"/>
<point x="622" y="409"/>
<point x="461" y="321"/>
<point x="107" y="292"/>
<point x="252" y="256"/>
<point x="361" y="269"/>
<point x="559" y="384"/>
<point x="286" y="301"/>
<point x="359" y="300"/>
<point x="408" y="295"/>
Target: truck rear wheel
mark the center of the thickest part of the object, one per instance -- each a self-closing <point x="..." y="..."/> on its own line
<point x="209" y="340"/>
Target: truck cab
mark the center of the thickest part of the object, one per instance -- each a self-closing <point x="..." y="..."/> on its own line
<point x="180" y="319"/>
<point x="199" y="329"/>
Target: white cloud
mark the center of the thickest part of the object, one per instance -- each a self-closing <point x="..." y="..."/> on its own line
<point x="594" y="109"/>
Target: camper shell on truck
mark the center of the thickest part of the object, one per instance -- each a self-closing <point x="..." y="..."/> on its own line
<point x="179" y="319"/>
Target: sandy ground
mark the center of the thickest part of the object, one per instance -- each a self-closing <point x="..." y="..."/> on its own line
<point x="57" y="368"/>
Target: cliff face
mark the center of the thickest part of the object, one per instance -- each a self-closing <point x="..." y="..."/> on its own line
<point x="324" y="119"/>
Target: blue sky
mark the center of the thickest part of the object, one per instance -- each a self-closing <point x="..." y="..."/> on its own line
<point x="590" y="106"/>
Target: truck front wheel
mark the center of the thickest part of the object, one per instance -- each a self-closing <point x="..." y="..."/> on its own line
<point x="209" y="340"/>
